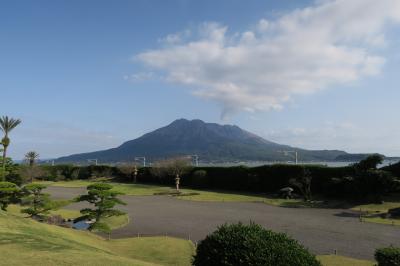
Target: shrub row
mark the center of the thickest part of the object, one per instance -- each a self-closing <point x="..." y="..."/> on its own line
<point x="267" y="178"/>
<point x="328" y="181"/>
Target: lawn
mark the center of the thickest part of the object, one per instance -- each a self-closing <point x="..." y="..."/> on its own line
<point x="371" y="212"/>
<point x="334" y="260"/>
<point x="25" y="241"/>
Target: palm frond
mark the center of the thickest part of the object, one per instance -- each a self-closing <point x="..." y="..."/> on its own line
<point x="7" y="124"/>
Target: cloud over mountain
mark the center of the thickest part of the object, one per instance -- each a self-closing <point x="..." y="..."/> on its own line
<point x="306" y="50"/>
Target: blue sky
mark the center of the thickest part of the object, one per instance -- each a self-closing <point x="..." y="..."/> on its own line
<point x="88" y="75"/>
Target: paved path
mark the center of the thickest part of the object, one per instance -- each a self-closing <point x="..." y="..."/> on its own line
<point x="321" y="230"/>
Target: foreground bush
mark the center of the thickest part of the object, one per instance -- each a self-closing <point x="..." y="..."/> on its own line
<point x="388" y="256"/>
<point x="240" y="244"/>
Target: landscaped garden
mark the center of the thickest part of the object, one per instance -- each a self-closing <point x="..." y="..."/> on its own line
<point x="23" y="240"/>
<point x="46" y="239"/>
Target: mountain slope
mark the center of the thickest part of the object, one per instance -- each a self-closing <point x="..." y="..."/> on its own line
<point x="210" y="141"/>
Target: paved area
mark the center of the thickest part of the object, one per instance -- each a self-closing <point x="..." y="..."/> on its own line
<point x="321" y="230"/>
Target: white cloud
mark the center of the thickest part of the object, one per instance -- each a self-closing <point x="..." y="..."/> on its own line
<point x="301" y="52"/>
<point x="140" y="76"/>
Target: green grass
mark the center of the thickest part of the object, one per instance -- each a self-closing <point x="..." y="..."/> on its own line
<point x="377" y="208"/>
<point x="371" y="212"/>
<point x="334" y="260"/>
<point x="380" y="220"/>
<point x="114" y="222"/>
<point x="24" y="240"/>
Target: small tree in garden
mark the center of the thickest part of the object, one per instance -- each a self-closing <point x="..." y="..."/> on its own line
<point x="369" y="163"/>
<point x="175" y="167"/>
<point x="104" y="201"/>
<point x="9" y="193"/>
<point x="38" y="203"/>
<point x="303" y="183"/>
<point x="31" y="172"/>
<point x="9" y="168"/>
<point x="130" y="170"/>
<point x="239" y="244"/>
<point x="370" y="183"/>
<point x="31" y="157"/>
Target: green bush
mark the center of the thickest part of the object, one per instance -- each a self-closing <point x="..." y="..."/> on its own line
<point x="389" y="256"/>
<point x="240" y="244"/>
<point x="9" y="193"/>
<point x="199" y="178"/>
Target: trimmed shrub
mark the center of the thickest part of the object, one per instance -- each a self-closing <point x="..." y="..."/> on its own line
<point x="199" y="178"/>
<point x="240" y="244"/>
<point x="389" y="256"/>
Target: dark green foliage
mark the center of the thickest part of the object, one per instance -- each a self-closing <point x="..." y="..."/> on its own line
<point x="38" y="203"/>
<point x="16" y="178"/>
<point x="389" y="256"/>
<point x="303" y="183"/>
<point x="62" y="172"/>
<point x="10" y="170"/>
<point x="104" y="201"/>
<point x="9" y="193"/>
<point x="339" y="182"/>
<point x="239" y="244"/>
<point x="267" y="178"/>
<point x="373" y="184"/>
<point x="394" y="169"/>
<point x="371" y="162"/>
<point x="199" y="178"/>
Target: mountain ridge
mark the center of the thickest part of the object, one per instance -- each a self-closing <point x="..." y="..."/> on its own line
<point x="210" y="141"/>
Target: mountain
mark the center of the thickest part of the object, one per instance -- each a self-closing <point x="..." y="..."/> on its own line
<point x="211" y="142"/>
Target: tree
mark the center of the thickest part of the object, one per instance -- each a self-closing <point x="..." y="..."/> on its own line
<point x="8" y="168"/>
<point x="372" y="185"/>
<point x="175" y="167"/>
<point x="31" y="157"/>
<point x="31" y="172"/>
<point x="130" y="170"/>
<point x="7" y="125"/>
<point x="104" y="201"/>
<point x="368" y="182"/>
<point x="38" y="203"/>
<point x="303" y="183"/>
<point x="371" y="162"/>
<point x="239" y="244"/>
<point x="9" y="193"/>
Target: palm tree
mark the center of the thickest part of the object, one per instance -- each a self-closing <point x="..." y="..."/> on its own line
<point x="31" y="157"/>
<point x="6" y="125"/>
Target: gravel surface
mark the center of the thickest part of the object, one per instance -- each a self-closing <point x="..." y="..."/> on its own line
<point x="320" y="230"/>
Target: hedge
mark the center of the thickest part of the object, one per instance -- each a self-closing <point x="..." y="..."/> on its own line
<point x="267" y="178"/>
<point x="340" y="182"/>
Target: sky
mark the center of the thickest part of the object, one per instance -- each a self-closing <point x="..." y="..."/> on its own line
<point x="86" y="75"/>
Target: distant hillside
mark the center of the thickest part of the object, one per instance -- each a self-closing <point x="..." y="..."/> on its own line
<point x="210" y="141"/>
